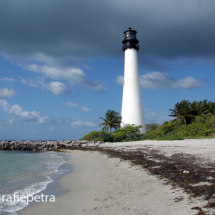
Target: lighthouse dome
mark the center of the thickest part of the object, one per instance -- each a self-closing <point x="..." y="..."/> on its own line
<point x="130" y="40"/>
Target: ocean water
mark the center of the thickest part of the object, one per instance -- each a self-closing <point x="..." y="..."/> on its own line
<point x="26" y="173"/>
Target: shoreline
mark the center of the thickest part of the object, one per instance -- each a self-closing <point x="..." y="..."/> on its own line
<point x="29" y="174"/>
<point x="102" y="185"/>
<point x="82" y="190"/>
<point x="54" y="187"/>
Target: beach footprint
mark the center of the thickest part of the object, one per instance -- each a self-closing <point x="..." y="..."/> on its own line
<point x="84" y="210"/>
<point x="125" y="209"/>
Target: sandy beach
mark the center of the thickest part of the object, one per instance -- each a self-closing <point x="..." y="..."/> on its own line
<point x="103" y="185"/>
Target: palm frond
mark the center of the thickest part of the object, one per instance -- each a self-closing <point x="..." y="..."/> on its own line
<point x="111" y="120"/>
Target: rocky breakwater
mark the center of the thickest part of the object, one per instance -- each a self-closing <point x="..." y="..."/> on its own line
<point x="44" y="145"/>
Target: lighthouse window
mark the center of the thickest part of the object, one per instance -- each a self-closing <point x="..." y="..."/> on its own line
<point x="128" y="35"/>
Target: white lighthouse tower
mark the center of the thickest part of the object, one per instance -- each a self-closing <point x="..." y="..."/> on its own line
<point x="132" y="107"/>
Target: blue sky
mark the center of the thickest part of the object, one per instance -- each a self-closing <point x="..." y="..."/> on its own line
<point x="62" y="62"/>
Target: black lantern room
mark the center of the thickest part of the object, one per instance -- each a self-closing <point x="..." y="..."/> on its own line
<point x="130" y="40"/>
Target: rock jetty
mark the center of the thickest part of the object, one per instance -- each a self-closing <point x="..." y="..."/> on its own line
<point x="44" y="145"/>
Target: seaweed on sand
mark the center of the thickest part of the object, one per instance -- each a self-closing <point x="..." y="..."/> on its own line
<point x="181" y="170"/>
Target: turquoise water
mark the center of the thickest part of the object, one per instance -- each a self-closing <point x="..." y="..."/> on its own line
<point x="27" y="173"/>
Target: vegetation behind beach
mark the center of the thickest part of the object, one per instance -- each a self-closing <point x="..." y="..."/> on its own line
<point x="191" y="120"/>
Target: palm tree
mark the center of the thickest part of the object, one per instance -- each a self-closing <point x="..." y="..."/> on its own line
<point x="111" y="120"/>
<point x="199" y="108"/>
<point x="182" y="111"/>
<point x="211" y="107"/>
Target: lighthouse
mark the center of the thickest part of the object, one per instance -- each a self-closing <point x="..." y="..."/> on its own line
<point x="132" y="107"/>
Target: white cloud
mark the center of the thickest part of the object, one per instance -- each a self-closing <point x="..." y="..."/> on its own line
<point x="26" y="115"/>
<point x="55" y="73"/>
<point x="83" y="124"/>
<point x="158" y="80"/>
<point x="188" y="82"/>
<point x="57" y="88"/>
<point x="42" y="119"/>
<point x="7" y="93"/>
<point x="162" y="81"/>
<point x="42" y="58"/>
<point x="73" y="75"/>
<point x="75" y="106"/>
<point x="30" y="82"/>
<point x="120" y="79"/>
<point x="6" y="79"/>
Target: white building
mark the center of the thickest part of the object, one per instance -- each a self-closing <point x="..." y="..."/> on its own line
<point x="132" y="107"/>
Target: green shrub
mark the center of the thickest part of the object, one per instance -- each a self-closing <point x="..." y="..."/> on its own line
<point x="200" y="119"/>
<point x="170" y="126"/>
<point x="166" y="129"/>
<point x="94" y="135"/>
<point x="178" y="130"/>
<point x="194" y="129"/>
<point x="127" y="133"/>
<point x="152" y="126"/>
<point x="107" y="137"/>
<point x="200" y="126"/>
<point x="211" y="123"/>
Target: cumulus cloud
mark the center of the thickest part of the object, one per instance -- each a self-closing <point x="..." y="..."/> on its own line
<point x="120" y="79"/>
<point x="162" y="81"/>
<point x="75" y="106"/>
<point x="158" y="80"/>
<point x="188" y="82"/>
<point x="73" y="75"/>
<point x="82" y="124"/>
<point x="55" y="87"/>
<point x="7" y="93"/>
<point x="25" y="115"/>
<point x="6" y="79"/>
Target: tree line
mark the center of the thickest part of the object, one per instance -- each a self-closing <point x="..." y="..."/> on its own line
<point x="192" y="119"/>
<point x="188" y="111"/>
